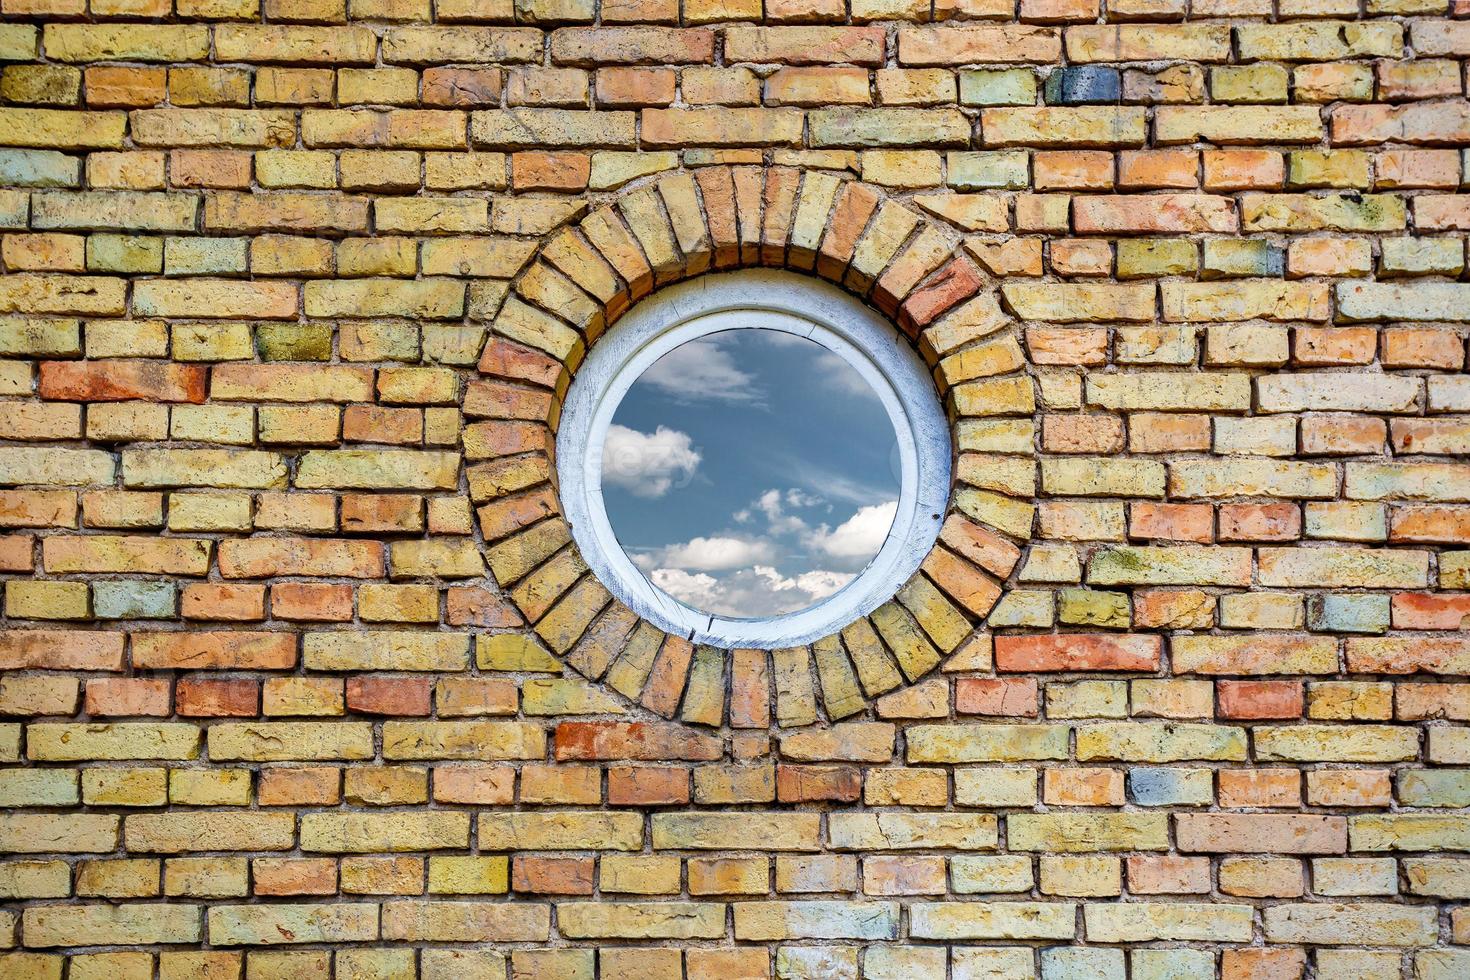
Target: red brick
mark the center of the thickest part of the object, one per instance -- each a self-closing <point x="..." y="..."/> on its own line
<point x="217" y="698"/>
<point x="1260" y="522"/>
<point x="209" y="168"/>
<point x="647" y="785"/>
<point x="1072" y="345"/>
<point x="1078" y="651"/>
<point x="750" y="689"/>
<point x="110" y="87"/>
<point x="1429" y="522"/>
<point x="1171" y="522"/>
<point x="811" y="784"/>
<point x="508" y="359"/>
<point x="999" y="696"/>
<point x="1417" y="702"/>
<point x="1342" y="435"/>
<point x="968" y="585"/>
<point x="1168" y="875"/>
<point x="508" y="515"/>
<point x="474" y="606"/>
<point x="666" y="680"/>
<point x="903" y="874"/>
<point x="1261" y="833"/>
<point x="627" y="87"/>
<point x="551" y="875"/>
<point x="111" y="381"/>
<point x="1150" y="432"/>
<point x="382" y="513"/>
<point x="389" y="695"/>
<point x="1426" y="611"/>
<point x="952" y="285"/>
<point x="806" y="45"/>
<point x="1259" y="699"/>
<point x="462" y="87"/>
<point x="1082" y="434"/>
<point x="374" y="423"/>
<point x="633" y="740"/>
<point x="504" y="400"/>
<point x="986" y="549"/>
<point x="1238" y="170"/>
<point x="855" y="205"/>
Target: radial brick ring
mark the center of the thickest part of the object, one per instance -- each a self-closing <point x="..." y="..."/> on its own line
<point x="908" y="267"/>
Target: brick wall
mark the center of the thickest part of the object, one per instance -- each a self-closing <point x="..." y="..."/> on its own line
<point x="304" y="677"/>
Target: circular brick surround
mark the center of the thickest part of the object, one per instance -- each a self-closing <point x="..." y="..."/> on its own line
<point x="905" y="264"/>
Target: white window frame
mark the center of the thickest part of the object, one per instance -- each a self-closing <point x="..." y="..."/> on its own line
<point x="771" y="300"/>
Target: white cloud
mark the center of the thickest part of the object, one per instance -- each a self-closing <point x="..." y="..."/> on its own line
<point x="759" y="590"/>
<point x="773" y="504"/>
<point x="702" y="370"/>
<point x="696" y="589"/>
<point x="858" y="537"/>
<point x="712" y="554"/>
<point x="820" y="583"/>
<point x="647" y="464"/>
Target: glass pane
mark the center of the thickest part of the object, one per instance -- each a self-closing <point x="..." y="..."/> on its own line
<point x="751" y="473"/>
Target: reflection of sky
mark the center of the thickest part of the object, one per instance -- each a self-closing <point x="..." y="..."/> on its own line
<point x="750" y="473"/>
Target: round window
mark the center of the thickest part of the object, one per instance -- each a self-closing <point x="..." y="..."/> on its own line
<point x="753" y="459"/>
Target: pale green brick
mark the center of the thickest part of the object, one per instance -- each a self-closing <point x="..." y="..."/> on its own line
<point x="133" y="599"/>
<point x="1010" y="86"/>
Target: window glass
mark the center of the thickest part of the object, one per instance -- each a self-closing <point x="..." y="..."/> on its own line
<point x="750" y="473"/>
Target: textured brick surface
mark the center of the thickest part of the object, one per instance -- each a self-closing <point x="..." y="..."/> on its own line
<point x="303" y="675"/>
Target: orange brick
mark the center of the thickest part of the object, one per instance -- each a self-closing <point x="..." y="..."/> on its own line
<point x="1171" y="522"/>
<point x="1082" y="787"/>
<point x="311" y="602"/>
<point x="217" y="601"/>
<point x="114" y="696"/>
<point x="1158" y="169"/>
<point x="124" y="88"/>
<point x="1072" y="170"/>
<point x="550" y="172"/>
<point x="304" y="786"/>
<point x="1260" y="788"/>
